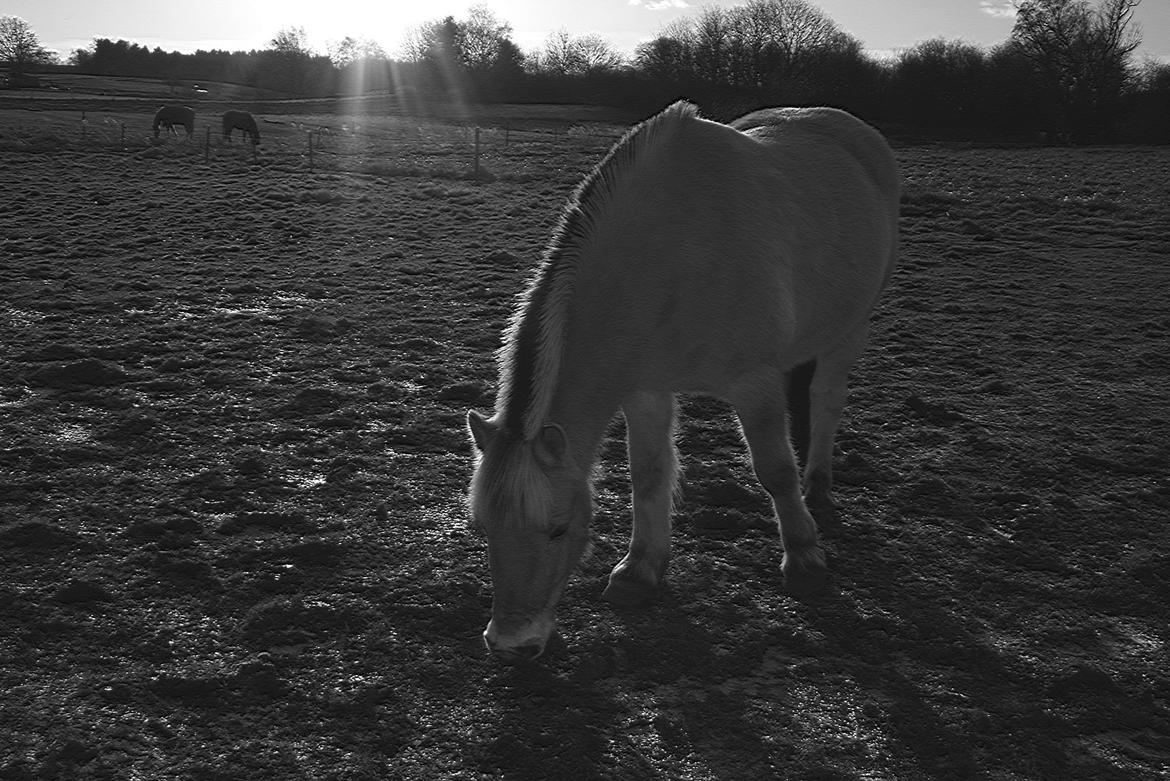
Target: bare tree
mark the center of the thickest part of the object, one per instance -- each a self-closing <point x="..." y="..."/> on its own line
<point x="19" y="45"/>
<point x="349" y="50"/>
<point x="598" y="54"/>
<point x="778" y="40"/>
<point x="480" y="35"/>
<point x="664" y="59"/>
<point x="1082" y="54"/>
<point x="291" y="40"/>
<point x="712" y="40"/>
<point x="475" y="43"/>
<point x="940" y="82"/>
<point x="569" y="55"/>
<point x="766" y="46"/>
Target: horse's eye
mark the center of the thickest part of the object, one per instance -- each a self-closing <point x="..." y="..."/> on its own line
<point x="559" y="532"/>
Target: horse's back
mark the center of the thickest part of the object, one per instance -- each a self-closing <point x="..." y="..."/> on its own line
<point x="787" y="175"/>
<point x="807" y="195"/>
<point x="770" y="236"/>
<point x="172" y="115"/>
<point x="175" y="113"/>
<point x="237" y="118"/>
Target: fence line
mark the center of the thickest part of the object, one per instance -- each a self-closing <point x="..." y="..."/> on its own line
<point x="370" y="145"/>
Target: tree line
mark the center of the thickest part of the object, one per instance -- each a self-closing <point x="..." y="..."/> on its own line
<point x="1066" y="72"/>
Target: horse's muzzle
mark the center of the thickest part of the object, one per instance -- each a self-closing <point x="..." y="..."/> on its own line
<point x="518" y="647"/>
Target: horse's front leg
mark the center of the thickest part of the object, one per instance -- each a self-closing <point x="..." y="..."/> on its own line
<point x="653" y="472"/>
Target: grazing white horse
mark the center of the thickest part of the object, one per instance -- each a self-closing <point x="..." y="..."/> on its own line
<point x="740" y="261"/>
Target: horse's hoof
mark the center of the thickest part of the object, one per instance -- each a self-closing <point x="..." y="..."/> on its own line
<point x="806" y="579"/>
<point x="629" y="593"/>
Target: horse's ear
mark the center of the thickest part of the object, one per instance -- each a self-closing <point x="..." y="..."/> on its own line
<point x="482" y="430"/>
<point x="551" y="444"/>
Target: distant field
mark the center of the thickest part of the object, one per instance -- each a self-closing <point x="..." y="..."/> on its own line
<point x="372" y="133"/>
<point x="69" y="85"/>
<point x="119" y="95"/>
<point x="440" y="143"/>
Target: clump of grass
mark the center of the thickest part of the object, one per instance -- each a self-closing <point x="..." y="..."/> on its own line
<point x="280" y="194"/>
<point x="388" y="169"/>
<point x="321" y="196"/>
<point x="38" y="142"/>
<point x="592" y="129"/>
<point x="920" y="200"/>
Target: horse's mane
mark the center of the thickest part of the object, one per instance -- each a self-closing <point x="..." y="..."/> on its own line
<point x="531" y="355"/>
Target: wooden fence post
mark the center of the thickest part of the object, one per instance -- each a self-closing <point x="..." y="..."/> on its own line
<point x="477" y="151"/>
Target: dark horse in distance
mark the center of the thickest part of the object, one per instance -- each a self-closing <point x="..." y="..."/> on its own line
<point x="169" y="116"/>
<point x="244" y="122"/>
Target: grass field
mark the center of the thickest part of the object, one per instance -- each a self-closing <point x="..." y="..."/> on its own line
<point x="233" y="541"/>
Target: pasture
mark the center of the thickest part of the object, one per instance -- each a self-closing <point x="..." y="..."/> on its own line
<point x="233" y="463"/>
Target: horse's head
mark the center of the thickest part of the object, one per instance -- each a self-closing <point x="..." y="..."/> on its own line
<point x="533" y="504"/>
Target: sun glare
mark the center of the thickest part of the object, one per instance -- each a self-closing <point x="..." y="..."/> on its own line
<point x="325" y="24"/>
<point x="385" y="23"/>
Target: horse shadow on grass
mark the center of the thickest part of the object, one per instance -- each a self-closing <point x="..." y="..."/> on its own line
<point x="758" y="705"/>
<point x="546" y="721"/>
<point x="781" y="698"/>
<point x="775" y="694"/>
<point x="568" y="713"/>
<point x="597" y="708"/>
<point x="948" y="702"/>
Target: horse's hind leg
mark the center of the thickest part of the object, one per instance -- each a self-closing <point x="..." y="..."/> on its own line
<point x="653" y="472"/>
<point x="765" y="427"/>
<point x="827" y="394"/>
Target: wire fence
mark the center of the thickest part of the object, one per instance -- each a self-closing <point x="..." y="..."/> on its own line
<point x="381" y="146"/>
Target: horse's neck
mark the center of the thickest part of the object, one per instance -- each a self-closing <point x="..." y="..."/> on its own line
<point x="596" y="374"/>
<point x="607" y="324"/>
<point x="584" y="411"/>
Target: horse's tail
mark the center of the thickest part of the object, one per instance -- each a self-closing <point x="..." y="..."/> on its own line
<point x="799" y="399"/>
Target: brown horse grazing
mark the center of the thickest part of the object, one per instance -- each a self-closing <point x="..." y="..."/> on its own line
<point x="169" y="116"/>
<point x="243" y="121"/>
<point x="740" y="261"/>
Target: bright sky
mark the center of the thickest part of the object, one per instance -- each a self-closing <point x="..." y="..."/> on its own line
<point x="881" y="25"/>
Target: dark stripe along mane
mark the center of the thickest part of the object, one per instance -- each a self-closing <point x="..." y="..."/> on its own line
<point x="531" y="353"/>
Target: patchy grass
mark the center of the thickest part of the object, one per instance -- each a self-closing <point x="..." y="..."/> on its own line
<point x="233" y="460"/>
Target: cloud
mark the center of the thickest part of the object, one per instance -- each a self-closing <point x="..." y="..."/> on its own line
<point x="1000" y="10"/>
<point x="661" y="5"/>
